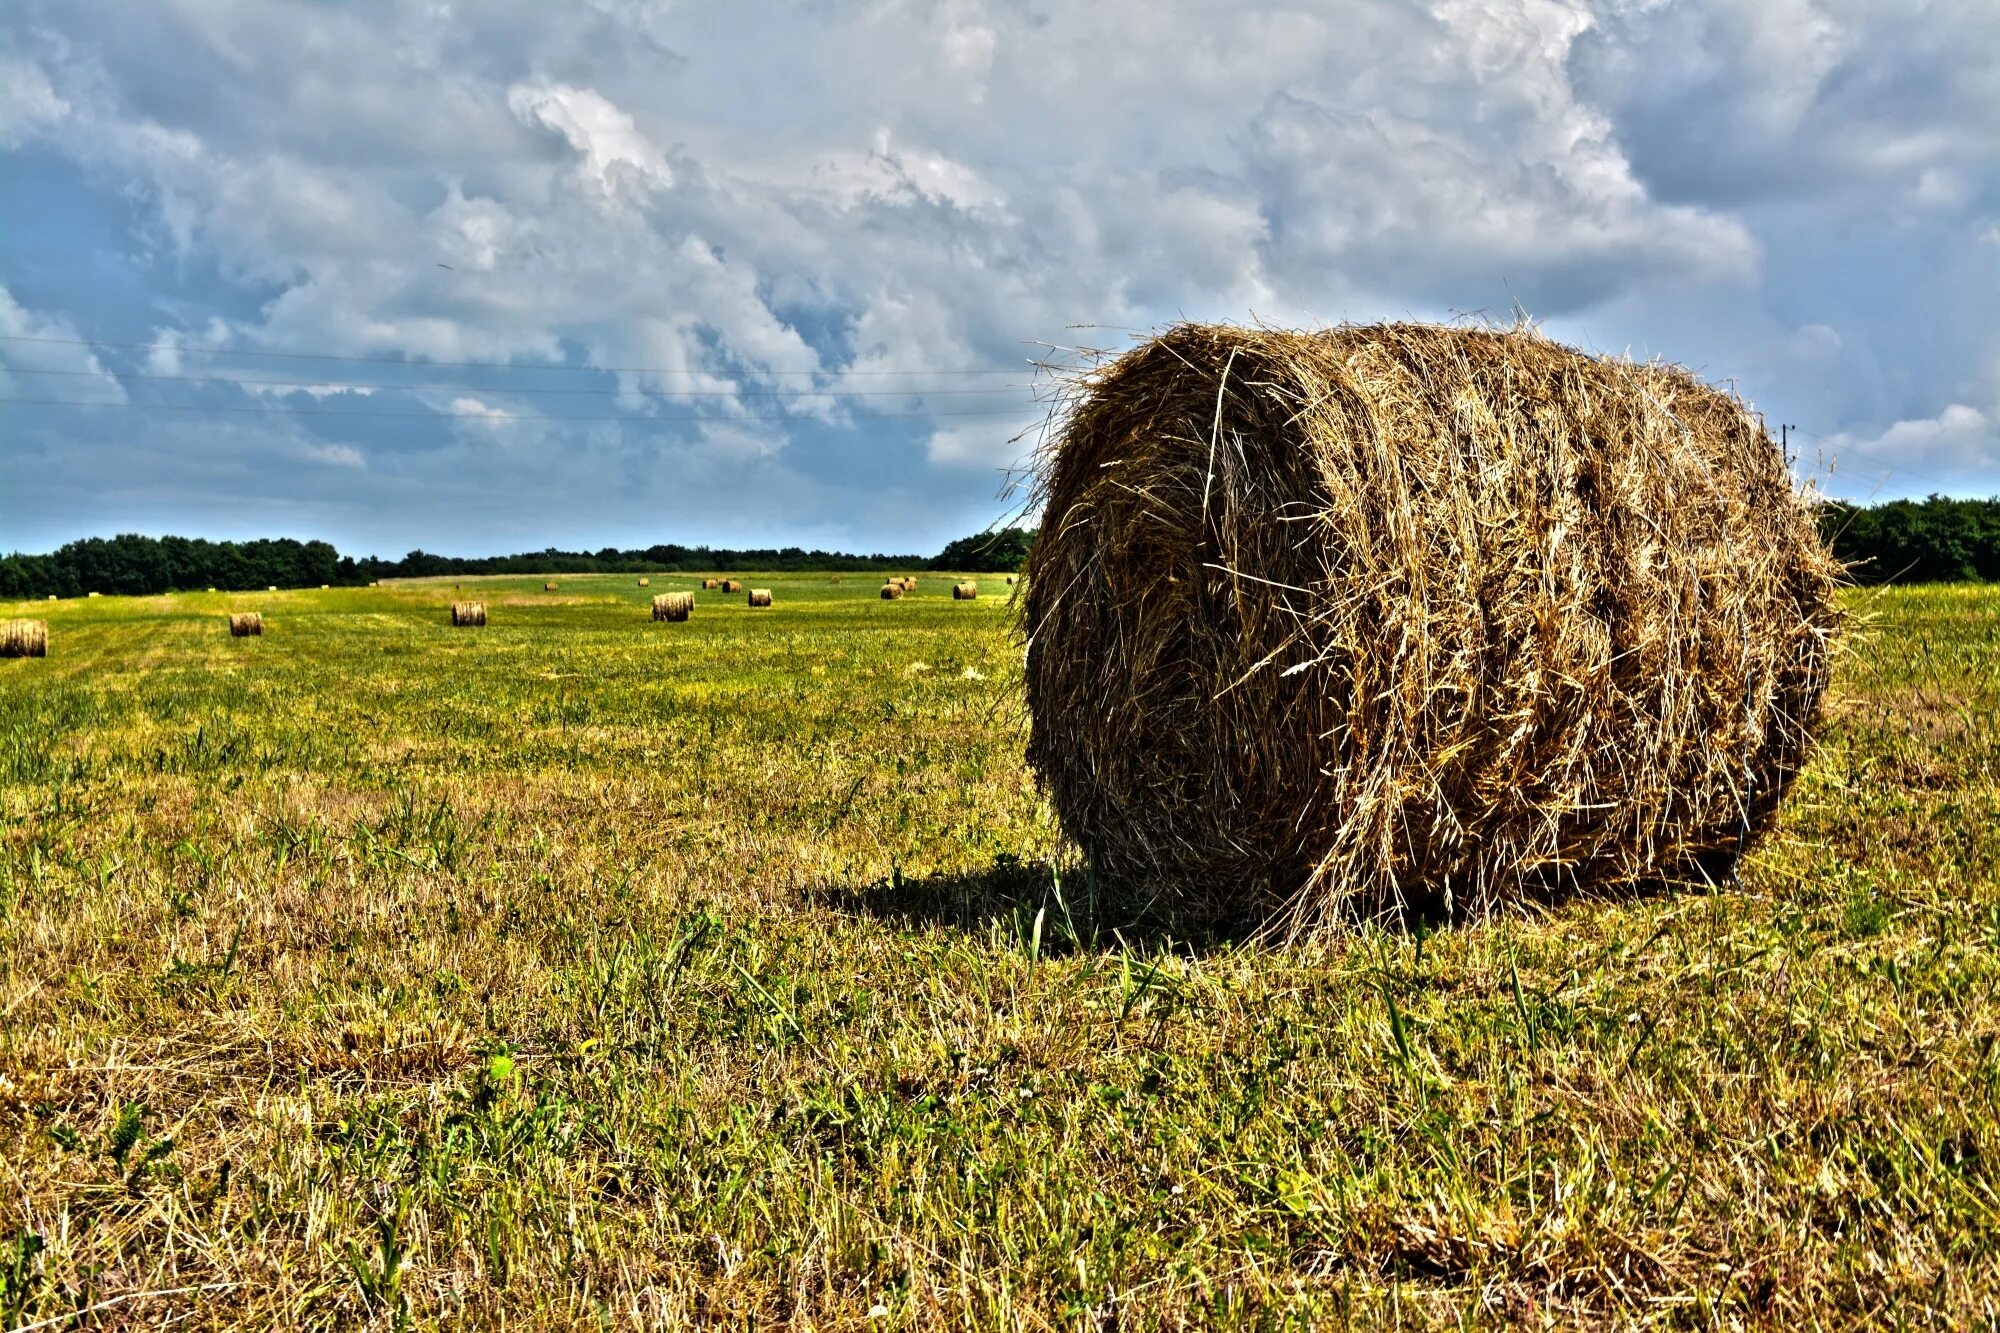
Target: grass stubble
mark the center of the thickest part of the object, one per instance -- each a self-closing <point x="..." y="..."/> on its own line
<point x="574" y="974"/>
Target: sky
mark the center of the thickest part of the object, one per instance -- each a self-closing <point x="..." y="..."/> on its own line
<point x="492" y="277"/>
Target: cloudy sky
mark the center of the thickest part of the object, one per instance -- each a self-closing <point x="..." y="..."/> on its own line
<point x="495" y="276"/>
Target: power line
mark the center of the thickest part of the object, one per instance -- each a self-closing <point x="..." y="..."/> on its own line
<point x="630" y="417"/>
<point x="469" y="365"/>
<point x="496" y="388"/>
<point x="1874" y="461"/>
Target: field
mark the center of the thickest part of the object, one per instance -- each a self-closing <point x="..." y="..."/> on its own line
<point x="586" y="971"/>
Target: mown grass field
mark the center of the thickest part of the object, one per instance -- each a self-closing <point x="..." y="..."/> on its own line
<point x="585" y="971"/>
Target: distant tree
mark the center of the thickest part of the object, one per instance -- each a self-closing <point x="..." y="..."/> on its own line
<point x="1003" y="549"/>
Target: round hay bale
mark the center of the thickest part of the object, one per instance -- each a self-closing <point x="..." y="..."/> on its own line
<point x="548" y="587"/>
<point x="1010" y="580"/>
<point x="1408" y="617"/>
<point x="760" y="597"/>
<point x="211" y="590"/>
<point x="324" y="586"/>
<point x="965" y="592"/>
<point x="24" y="638"/>
<point x="675" y="606"/>
<point x="472" y="614"/>
<point x="892" y="591"/>
<point x="53" y="597"/>
<point x="245" y="624"/>
<point x="97" y="594"/>
<point x="731" y="585"/>
<point x="272" y="588"/>
<point x="645" y="583"/>
<point x="709" y="585"/>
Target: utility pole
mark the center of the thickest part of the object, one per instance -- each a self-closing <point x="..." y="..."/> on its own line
<point x="1785" y="441"/>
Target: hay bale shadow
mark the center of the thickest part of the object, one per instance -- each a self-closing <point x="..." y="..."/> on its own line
<point x="1007" y="898"/>
<point x="1079" y="913"/>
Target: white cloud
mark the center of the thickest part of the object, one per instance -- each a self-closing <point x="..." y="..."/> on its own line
<point x="803" y="198"/>
<point x="1959" y="443"/>
<point x="612" y="147"/>
<point x="28" y="102"/>
<point x="47" y="344"/>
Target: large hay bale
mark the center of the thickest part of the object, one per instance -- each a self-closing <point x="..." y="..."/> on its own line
<point x="96" y="594"/>
<point x="245" y="624"/>
<point x="965" y="592"/>
<point x="1347" y="622"/>
<point x="892" y="591"/>
<point x="24" y="638"/>
<point x="272" y="588"/>
<point x="468" y="614"/>
<point x="675" y="606"/>
<point x="548" y="587"/>
<point x="645" y="583"/>
<point x="760" y="597"/>
<point x="732" y="585"/>
<point x="709" y="585"/>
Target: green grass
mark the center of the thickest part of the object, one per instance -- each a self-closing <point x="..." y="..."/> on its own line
<point x="587" y="971"/>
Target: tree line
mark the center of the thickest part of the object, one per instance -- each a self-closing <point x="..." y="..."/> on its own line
<point x="1938" y="540"/>
<point x="132" y="565"/>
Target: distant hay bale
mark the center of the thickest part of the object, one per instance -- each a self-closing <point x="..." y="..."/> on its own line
<point x="211" y="590"/>
<point x="645" y="583"/>
<point x="53" y="597"/>
<point x="324" y="586"/>
<point x="245" y="624"/>
<point x="24" y="638"/>
<point x="548" y="587"/>
<point x="760" y="597"/>
<point x="1010" y="580"/>
<point x="97" y="594"/>
<point x="892" y="591"/>
<point x="731" y="585"/>
<point x="1325" y="625"/>
<point x="709" y="585"/>
<point x="472" y="614"/>
<point x="675" y="606"/>
<point x="965" y="592"/>
<point x="272" y="588"/>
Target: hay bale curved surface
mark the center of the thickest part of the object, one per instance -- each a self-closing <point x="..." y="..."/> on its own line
<point x="709" y="585"/>
<point x="645" y="583"/>
<point x="760" y="597"/>
<point x="1329" y="624"/>
<point x="892" y="592"/>
<point x="468" y="614"/>
<point x="245" y="624"/>
<point x="674" y="606"/>
<point x="731" y="585"/>
<point x="965" y="592"/>
<point x="548" y="587"/>
<point x="24" y="638"/>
